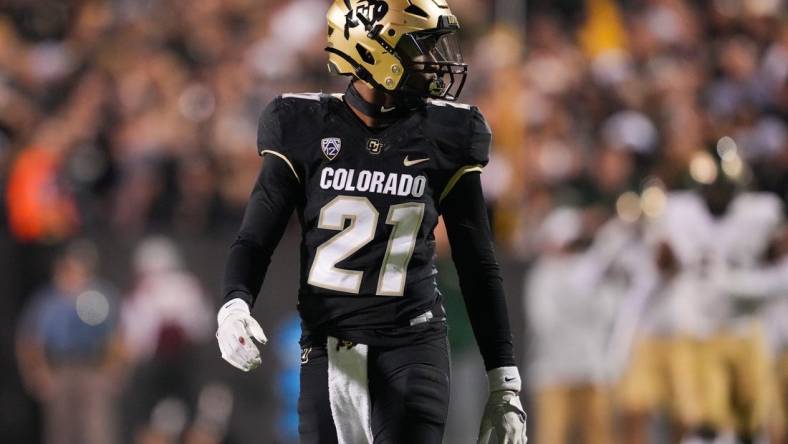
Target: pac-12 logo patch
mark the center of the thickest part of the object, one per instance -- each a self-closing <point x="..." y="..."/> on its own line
<point x="374" y="146"/>
<point x="331" y="147"/>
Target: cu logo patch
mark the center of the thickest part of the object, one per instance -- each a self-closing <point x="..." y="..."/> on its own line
<point x="331" y="147"/>
<point x="374" y="146"/>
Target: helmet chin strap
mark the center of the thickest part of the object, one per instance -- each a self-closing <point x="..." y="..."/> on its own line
<point x="399" y="108"/>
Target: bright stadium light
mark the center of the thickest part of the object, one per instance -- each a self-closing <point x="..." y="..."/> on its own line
<point x="653" y="199"/>
<point x="628" y="206"/>
<point x="702" y="168"/>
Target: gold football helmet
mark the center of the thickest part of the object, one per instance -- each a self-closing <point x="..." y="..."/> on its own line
<point x="405" y="47"/>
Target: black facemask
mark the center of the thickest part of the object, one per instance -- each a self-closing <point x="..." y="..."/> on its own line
<point x="434" y="66"/>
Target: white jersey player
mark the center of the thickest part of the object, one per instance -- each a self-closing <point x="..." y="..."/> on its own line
<point x="710" y="236"/>
<point x="707" y="248"/>
<point x="571" y="303"/>
<point x="762" y="291"/>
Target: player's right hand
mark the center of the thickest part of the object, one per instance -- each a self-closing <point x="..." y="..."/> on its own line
<point x="236" y="329"/>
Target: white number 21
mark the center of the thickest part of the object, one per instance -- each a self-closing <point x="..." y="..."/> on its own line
<point x="406" y="219"/>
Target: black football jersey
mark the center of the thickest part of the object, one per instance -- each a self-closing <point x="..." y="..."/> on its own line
<point x="369" y="202"/>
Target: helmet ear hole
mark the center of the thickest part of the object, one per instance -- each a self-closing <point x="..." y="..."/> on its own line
<point x="365" y="54"/>
<point x="330" y="31"/>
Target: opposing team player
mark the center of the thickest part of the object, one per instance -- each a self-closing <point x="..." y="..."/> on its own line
<point x="761" y="289"/>
<point x="659" y="378"/>
<point x="368" y="174"/>
<point x="575" y="293"/>
<point x="709" y="235"/>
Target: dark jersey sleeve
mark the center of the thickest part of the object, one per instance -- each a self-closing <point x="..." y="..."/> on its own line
<point x="460" y="135"/>
<point x="270" y="205"/>
<point x="269" y="128"/>
<point x="272" y="202"/>
<point x="466" y="151"/>
<point x="468" y="227"/>
<point x="280" y="129"/>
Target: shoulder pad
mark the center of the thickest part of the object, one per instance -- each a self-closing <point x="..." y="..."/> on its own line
<point x="290" y="122"/>
<point x="282" y="122"/>
<point x="460" y="132"/>
<point x="269" y="128"/>
<point x="297" y="106"/>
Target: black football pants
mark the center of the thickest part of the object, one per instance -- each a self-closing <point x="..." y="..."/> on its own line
<point x="408" y="390"/>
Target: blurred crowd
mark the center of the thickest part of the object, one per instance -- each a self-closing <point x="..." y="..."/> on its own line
<point x="640" y="159"/>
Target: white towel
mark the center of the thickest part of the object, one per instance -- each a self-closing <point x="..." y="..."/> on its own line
<point x="348" y="391"/>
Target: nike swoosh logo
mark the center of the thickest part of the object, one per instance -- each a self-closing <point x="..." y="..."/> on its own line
<point x="508" y="379"/>
<point x="407" y="162"/>
<point x="383" y="109"/>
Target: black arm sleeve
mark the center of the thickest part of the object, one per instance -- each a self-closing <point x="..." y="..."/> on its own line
<point x="465" y="216"/>
<point x="267" y="213"/>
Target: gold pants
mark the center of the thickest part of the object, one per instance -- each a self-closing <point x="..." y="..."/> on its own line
<point x="562" y="409"/>
<point x="779" y="417"/>
<point x="738" y="381"/>
<point x="664" y="374"/>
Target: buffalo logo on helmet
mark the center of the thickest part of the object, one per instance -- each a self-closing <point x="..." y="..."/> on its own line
<point x="368" y="13"/>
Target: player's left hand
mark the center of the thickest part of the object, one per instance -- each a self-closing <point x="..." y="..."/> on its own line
<point x="504" y="418"/>
<point x="236" y="329"/>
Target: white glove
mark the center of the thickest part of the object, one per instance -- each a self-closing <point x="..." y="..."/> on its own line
<point x="236" y="330"/>
<point x="504" y="418"/>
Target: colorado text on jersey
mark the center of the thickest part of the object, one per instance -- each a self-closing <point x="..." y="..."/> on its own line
<point x="342" y="179"/>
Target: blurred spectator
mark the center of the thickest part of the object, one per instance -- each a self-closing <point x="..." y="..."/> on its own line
<point x="169" y="420"/>
<point x="68" y="351"/>
<point x="168" y="307"/>
<point x="39" y="208"/>
<point x="151" y="107"/>
<point x="164" y="319"/>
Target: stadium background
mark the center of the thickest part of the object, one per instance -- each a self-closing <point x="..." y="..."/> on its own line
<point x="125" y="119"/>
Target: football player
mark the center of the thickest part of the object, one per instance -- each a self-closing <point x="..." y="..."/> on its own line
<point x="659" y="374"/>
<point x="572" y="295"/>
<point x="765" y="286"/>
<point x="711" y="234"/>
<point x="368" y="173"/>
